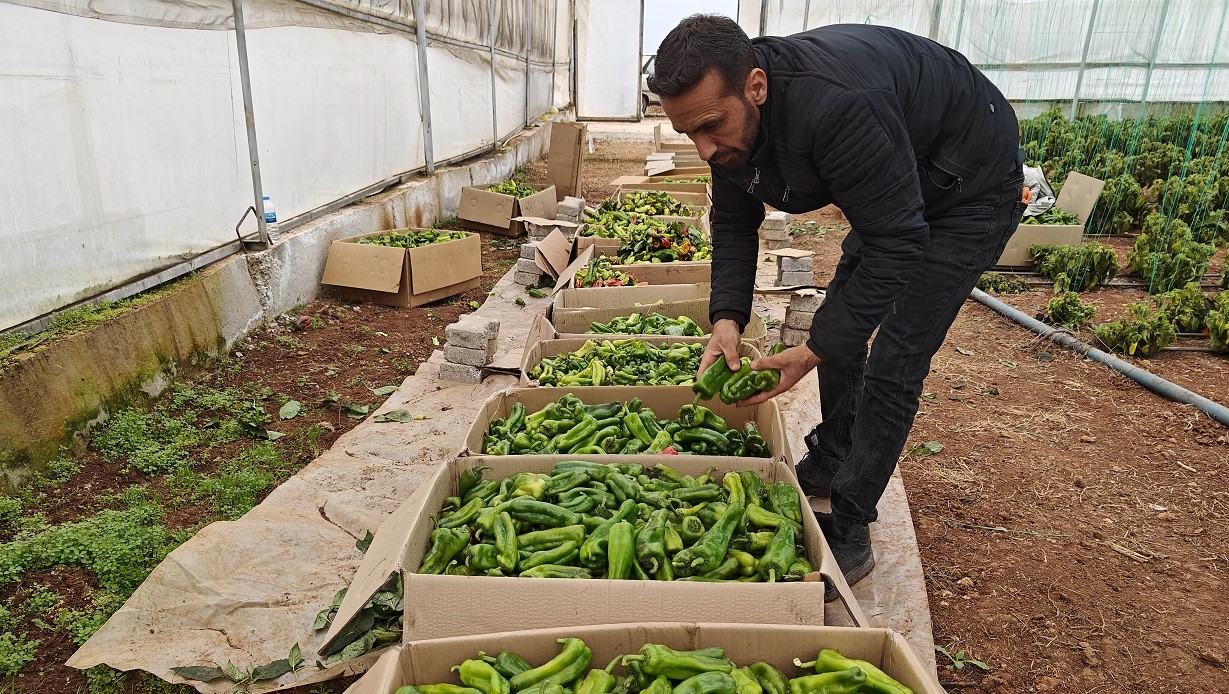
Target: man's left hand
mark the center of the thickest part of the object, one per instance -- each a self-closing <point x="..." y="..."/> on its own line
<point x="793" y="363"/>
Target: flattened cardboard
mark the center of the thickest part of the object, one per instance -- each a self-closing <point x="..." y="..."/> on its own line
<point x="428" y="661"/>
<point x="485" y="210"/>
<point x="403" y="276"/>
<point x="574" y="322"/>
<point x="568" y="276"/>
<point x="565" y="162"/>
<point x="1078" y="196"/>
<point x="551" y="253"/>
<point x="545" y="349"/>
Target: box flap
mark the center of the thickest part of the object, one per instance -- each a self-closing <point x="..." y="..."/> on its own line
<point x="790" y="253"/>
<point x="440" y="265"/>
<point x="1079" y="195"/>
<point x="605" y="297"/>
<point x="541" y="204"/>
<point x="552" y="253"/>
<point x="510" y="363"/>
<point x="565" y="162"/>
<point x="569" y="273"/>
<point x="544" y="222"/>
<point x="628" y="180"/>
<point x="364" y="266"/>
<point x="654" y="168"/>
<point x="485" y="207"/>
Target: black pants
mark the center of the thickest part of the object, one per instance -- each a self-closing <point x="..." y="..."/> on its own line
<point x="869" y="404"/>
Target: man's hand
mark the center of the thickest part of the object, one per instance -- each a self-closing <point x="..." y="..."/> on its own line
<point x="793" y="363"/>
<point x="724" y="342"/>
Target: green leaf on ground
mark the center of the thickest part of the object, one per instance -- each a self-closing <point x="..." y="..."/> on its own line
<point x="384" y="390"/>
<point x="291" y="409"/>
<point x="402" y="416"/>
<point x="199" y="673"/>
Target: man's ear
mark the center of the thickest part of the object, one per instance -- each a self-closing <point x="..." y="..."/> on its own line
<point x="756" y="89"/>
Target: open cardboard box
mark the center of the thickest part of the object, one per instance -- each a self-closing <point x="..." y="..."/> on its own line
<point x="425" y="662"/>
<point x="609" y="247"/>
<point x="545" y="349"/>
<point x="640" y="294"/>
<point x="442" y="606"/>
<point x="565" y="162"/>
<point x="1079" y="197"/>
<point x="697" y="200"/>
<point x="484" y="210"/>
<point x="665" y="402"/>
<point x="682" y="272"/>
<point x="403" y="276"/>
<point x="647" y="183"/>
<point x="574" y="322"/>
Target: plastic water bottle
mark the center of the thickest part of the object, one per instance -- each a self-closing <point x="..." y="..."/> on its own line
<point x="271" y="220"/>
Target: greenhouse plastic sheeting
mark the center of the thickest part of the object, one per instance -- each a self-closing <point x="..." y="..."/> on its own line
<point x="608" y="59"/>
<point x="124" y="132"/>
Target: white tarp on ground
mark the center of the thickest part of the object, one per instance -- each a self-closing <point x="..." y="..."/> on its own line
<point x="123" y="128"/>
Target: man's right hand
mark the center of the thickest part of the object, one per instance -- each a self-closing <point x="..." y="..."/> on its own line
<point x="723" y="343"/>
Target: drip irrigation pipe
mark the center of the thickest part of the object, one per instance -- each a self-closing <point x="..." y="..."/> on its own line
<point x="1143" y="377"/>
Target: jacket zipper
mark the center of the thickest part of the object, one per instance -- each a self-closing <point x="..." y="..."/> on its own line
<point x="786" y="198"/>
<point x="751" y="188"/>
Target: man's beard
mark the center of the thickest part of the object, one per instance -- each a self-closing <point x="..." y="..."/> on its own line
<point x="736" y="157"/>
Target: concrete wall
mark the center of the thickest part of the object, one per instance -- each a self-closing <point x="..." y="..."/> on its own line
<point x="50" y="396"/>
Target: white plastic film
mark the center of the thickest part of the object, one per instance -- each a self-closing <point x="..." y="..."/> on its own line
<point x="608" y="59"/>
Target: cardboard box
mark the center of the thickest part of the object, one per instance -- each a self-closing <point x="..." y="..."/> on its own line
<point x="566" y="160"/>
<point x="425" y="662"/>
<point x="403" y="276"/>
<point x="483" y="210"/>
<point x="660" y="144"/>
<point x="1079" y="197"/>
<point x="545" y="349"/>
<point x="646" y="184"/>
<point x="696" y="199"/>
<point x="574" y="322"/>
<point x="641" y="294"/>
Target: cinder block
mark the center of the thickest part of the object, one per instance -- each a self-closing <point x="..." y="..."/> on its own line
<point x="570" y="209"/>
<point x="469" y="357"/>
<point x="775" y="234"/>
<point x="791" y="279"/>
<point x="776" y="220"/>
<point x="472" y="332"/>
<point x="528" y="251"/>
<point x="528" y="265"/>
<point x="793" y="337"/>
<point x="805" y="303"/>
<point x="537" y="233"/>
<point x="527" y="279"/>
<point x="798" y="320"/>
<point x="460" y="373"/>
<point x="795" y="264"/>
<point x="777" y="245"/>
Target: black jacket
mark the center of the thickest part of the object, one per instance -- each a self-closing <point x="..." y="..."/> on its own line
<point x="891" y="128"/>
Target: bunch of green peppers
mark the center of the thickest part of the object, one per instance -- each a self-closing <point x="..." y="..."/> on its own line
<point x="666" y="243"/>
<point x="656" y="202"/>
<point x="514" y="188"/>
<point x="412" y="239"/>
<point x="627" y="362"/>
<point x="732" y="386"/>
<point x="620" y="521"/>
<point x="649" y="323"/>
<point x="570" y="426"/>
<point x="659" y="669"/>
<point x="600" y="272"/>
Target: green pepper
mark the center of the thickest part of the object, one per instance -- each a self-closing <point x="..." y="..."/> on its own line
<point x="437" y="689"/>
<point x="745" y="680"/>
<point x="799" y="569"/>
<point x="566" y="481"/>
<point x="785" y="501"/>
<point x="596" y="471"/>
<point x="446" y="543"/>
<point x="770" y="678"/>
<point x="599" y="681"/>
<point x="594" y="549"/>
<point x="754" y="487"/>
<point x="481" y="675"/>
<point x="635" y="426"/>
<point x="456" y="569"/>
<point x="740" y="385"/>
<point x="709" y="383"/>
<point x="621" y="551"/>
<point x="578" y="503"/>
<point x="529" y="510"/>
<point x="623" y="487"/>
<point x="563" y="668"/>
<point x="470" y="477"/>
<point x="746" y="561"/>
<point x="463" y="516"/>
<point x="563" y="555"/>
<point x="707" y="683"/>
<point x="733" y="484"/>
<point x="727" y="570"/>
<point x="577" y="436"/>
<point x="505" y="542"/>
<point x="658" y="660"/>
<point x="549" y="538"/>
<point x="633" y="446"/>
<point x="507" y="663"/>
<point x="529" y="484"/>
<point x="485" y="490"/>
<point x="690" y="496"/>
<point x="708" y="552"/>
<point x="761" y="517"/>
<point x="651" y="546"/>
<point x="848" y="681"/>
<point x="592" y="449"/>
<point x="481" y="557"/>
<point x="878" y="681"/>
<point x="661" y="685"/>
<point x="492" y="446"/>
<point x="556" y="571"/>
<point x="691" y="529"/>
<point x="661" y="442"/>
<point x="544" y="687"/>
<point x="716" y="441"/>
<point x="650" y="422"/>
<point x="779" y="556"/>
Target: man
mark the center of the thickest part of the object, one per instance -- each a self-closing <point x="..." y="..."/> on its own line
<point x="921" y="153"/>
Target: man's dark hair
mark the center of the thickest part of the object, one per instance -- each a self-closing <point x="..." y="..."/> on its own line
<point x="700" y="43"/>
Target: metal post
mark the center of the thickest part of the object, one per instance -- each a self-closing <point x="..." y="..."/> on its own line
<point x="249" y="118"/>
<point x="528" y="52"/>
<point x="494" y="17"/>
<point x="639" y="65"/>
<point x="1079" y="77"/>
<point x="1156" y="48"/>
<point x="554" y="49"/>
<point x="806" y="16"/>
<point x="763" y="17"/>
<point x="424" y="84"/>
<point x="935" y="19"/>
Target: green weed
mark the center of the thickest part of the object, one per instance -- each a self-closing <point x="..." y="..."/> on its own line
<point x="290" y="342"/>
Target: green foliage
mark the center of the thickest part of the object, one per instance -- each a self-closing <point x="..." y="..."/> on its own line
<point x="999" y="283"/>
<point x="1084" y="267"/>
<point x="1186" y="307"/>
<point x="1068" y="310"/>
<point x="414" y="239"/>
<point x="1212" y="229"/>
<point x="1053" y="216"/>
<point x="1167" y="256"/>
<point x="15" y="652"/>
<point x="1224" y="276"/>
<point x="1144" y="332"/>
<point x="1218" y="321"/>
<point x="1120" y="208"/>
<point x="152" y="442"/>
<point x="10" y="511"/>
<point x="40" y="600"/>
<point x="514" y="188"/>
<point x="80" y="625"/>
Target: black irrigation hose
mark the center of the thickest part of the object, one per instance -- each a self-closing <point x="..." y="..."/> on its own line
<point x="1145" y="378"/>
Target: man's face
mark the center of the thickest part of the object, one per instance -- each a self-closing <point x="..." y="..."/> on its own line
<point x="723" y="125"/>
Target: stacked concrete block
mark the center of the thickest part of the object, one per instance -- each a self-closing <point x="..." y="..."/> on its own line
<point x="775" y="230"/>
<point x="571" y="210"/>
<point x="537" y="232"/>
<point x="798" y="317"/>
<point x="794" y="271"/>
<point x="527" y="271"/>
<point x="471" y="345"/>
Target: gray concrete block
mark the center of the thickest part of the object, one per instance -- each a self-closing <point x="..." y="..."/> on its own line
<point x="793" y="337"/>
<point x="795" y="264"/>
<point x="805" y="303"/>
<point x="570" y="209"/>
<point x="777" y="245"/>
<point x="798" y="320"/>
<point x="469" y="357"/>
<point x="528" y="251"/>
<point x="790" y="279"/>
<point x="527" y="265"/>
<point x="472" y="332"/>
<point x="460" y="373"/>
<point x="527" y="279"/>
<point x="775" y="234"/>
<point x="776" y="220"/>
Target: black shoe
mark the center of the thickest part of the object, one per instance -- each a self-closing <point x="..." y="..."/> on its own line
<point x="813" y="477"/>
<point x="851" y="548"/>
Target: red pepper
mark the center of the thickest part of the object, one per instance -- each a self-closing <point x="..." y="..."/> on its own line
<point x="669" y="450"/>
